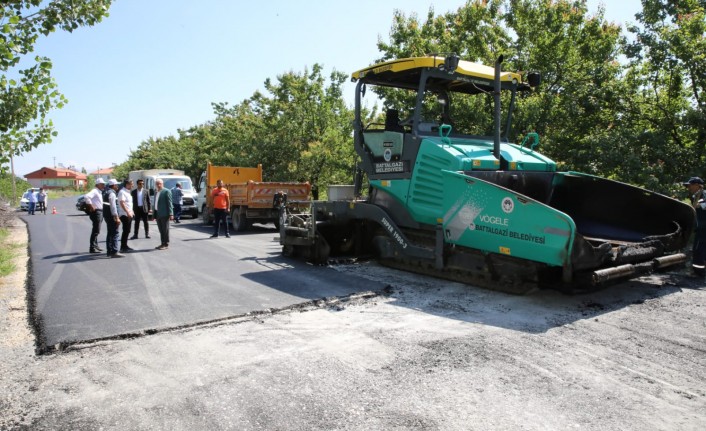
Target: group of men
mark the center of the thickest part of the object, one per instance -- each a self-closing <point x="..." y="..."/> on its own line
<point x="36" y="201"/>
<point x="121" y="206"/>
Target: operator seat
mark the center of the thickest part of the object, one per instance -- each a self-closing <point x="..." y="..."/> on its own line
<point x="392" y="121"/>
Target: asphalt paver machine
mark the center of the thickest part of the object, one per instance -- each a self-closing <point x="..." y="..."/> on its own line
<point x="479" y="209"/>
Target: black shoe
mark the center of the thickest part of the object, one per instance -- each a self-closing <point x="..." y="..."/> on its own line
<point x="214" y="236"/>
<point x="227" y="236"/>
<point x="177" y="221"/>
<point x="147" y="236"/>
<point x="95" y="251"/>
<point x="98" y="249"/>
<point x="126" y="249"/>
<point x="116" y="255"/>
<point x="134" y="237"/>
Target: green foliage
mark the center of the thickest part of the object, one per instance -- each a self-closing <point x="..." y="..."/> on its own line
<point x="8" y="251"/>
<point x="6" y="187"/>
<point x="303" y="128"/>
<point x="643" y="122"/>
<point x="29" y="93"/>
<point x="299" y="130"/>
<point x="640" y="120"/>
<point x="667" y="76"/>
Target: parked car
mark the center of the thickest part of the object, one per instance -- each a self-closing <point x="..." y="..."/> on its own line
<point x="24" y="202"/>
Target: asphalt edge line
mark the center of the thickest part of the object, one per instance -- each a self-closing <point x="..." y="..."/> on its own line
<point x="34" y="320"/>
<point x="335" y="302"/>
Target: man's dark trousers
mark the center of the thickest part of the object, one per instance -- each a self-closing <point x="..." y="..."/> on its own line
<point x="163" y="226"/>
<point x="111" y="240"/>
<point x="125" y="220"/>
<point x="141" y="215"/>
<point x="96" y="220"/>
<point x="218" y="216"/>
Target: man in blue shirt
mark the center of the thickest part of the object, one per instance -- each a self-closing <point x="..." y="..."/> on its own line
<point x="177" y="201"/>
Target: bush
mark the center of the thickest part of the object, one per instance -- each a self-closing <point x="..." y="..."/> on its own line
<point x="7" y="253"/>
<point x="6" y="188"/>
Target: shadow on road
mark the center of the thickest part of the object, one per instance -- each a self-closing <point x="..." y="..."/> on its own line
<point x="537" y="312"/>
<point x="198" y="226"/>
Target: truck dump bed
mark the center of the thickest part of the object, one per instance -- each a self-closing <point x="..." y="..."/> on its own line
<point x="251" y="199"/>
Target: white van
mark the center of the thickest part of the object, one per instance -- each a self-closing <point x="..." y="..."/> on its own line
<point x="170" y="177"/>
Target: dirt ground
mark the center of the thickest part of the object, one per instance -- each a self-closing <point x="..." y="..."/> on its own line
<point x="423" y="354"/>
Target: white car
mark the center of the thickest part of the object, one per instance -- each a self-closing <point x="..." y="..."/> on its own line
<point x="24" y="202"/>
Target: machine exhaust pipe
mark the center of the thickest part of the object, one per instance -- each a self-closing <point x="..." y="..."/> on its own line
<point x="496" y="98"/>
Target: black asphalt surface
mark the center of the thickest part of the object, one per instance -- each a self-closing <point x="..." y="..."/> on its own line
<point x="80" y="296"/>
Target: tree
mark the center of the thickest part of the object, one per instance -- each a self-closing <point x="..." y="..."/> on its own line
<point x="299" y="129"/>
<point x="27" y="91"/>
<point x="473" y="32"/>
<point x="579" y="103"/>
<point x="667" y="64"/>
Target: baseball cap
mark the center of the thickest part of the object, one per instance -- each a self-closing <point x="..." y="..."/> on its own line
<point x="100" y="181"/>
<point x="693" y="180"/>
<point x="112" y="182"/>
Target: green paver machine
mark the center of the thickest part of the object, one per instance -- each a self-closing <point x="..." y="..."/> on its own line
<point x="479" y="209"/>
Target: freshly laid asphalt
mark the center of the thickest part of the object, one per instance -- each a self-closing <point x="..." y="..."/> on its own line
<point x="80" y="296"/>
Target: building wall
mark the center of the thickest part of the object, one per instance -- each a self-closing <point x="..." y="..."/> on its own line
<point x="56" y="183"/>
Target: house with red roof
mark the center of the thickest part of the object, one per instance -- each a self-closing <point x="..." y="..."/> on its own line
<point x="105" y="173"/>
<point x="57" y="178"/>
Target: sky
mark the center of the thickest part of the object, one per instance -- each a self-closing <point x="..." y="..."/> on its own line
<point x="155" y="66"/>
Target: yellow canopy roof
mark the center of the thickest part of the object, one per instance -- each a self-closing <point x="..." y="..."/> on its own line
<point x="406" y="72"/>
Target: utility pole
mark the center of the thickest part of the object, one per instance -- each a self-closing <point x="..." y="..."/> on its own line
<point x="54" y="162"/>
<point x="12" y="172"/>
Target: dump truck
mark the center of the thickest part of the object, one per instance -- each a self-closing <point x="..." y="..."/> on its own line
<point x="476" y="208"/>
<point x="251" y="199"/>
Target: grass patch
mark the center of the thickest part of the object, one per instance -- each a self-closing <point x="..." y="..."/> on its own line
<point x="59" y="193"/>
<point x="7" y="253"/>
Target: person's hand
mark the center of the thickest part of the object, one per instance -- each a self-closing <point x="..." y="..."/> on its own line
<point x="171" y="217"/>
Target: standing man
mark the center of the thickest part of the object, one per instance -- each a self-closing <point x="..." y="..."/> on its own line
<point x="94" y="201"/>
<point x="42" y="201"/>
<point x="163" y="212"/>
<point x="177" y="201"/>
<point x="112" y="219"/>
<point x="141" y="206"/>
<point x="695" y="186"/>
<point x="221" y="203"/>
<point x="126" y="214"/>
<point x="32" y="198"/>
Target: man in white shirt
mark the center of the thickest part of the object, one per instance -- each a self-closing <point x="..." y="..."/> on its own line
<point x="126" y="214"/>
<point x="94" y="203"/>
